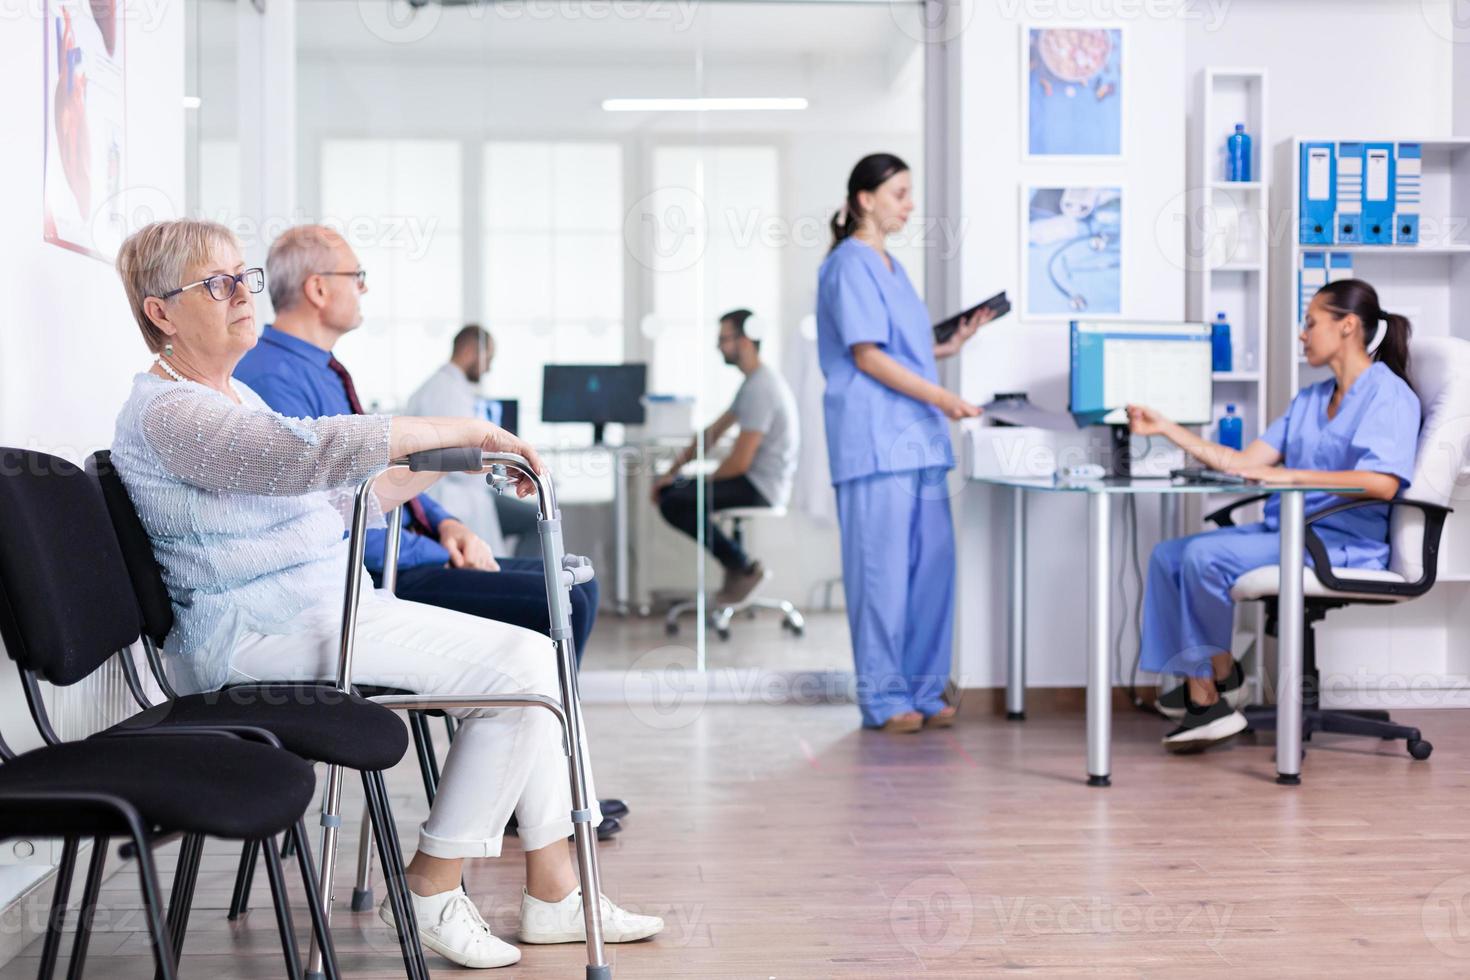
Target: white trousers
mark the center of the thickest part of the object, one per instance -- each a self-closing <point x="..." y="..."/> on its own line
<point x="502" y="760"/>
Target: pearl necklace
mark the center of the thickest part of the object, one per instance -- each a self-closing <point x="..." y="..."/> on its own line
<point x="168" y="369"/>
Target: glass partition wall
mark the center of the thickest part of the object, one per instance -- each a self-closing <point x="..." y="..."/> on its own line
<point x="594" y="185"/>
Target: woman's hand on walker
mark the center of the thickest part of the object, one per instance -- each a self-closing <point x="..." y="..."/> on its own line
<point x="497" y="440"/>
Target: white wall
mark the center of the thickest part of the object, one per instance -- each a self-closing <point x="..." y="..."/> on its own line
<point x="1016" y="354"/>
<point x="68" y="345"/>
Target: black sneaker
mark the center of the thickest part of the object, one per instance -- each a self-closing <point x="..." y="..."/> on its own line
<point x="1204" y="727"/>
<point x="1172" y="704"/>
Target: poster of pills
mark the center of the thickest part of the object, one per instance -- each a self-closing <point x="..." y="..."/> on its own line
<point x="1072" y="99"/>
<point x="85" y="126"/>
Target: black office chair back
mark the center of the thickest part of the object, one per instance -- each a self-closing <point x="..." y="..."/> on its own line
<point x="64" y="603"/>
<point x="137" y="550"/>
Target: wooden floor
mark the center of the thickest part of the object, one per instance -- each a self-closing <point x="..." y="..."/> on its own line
<point x="783" y="842"/>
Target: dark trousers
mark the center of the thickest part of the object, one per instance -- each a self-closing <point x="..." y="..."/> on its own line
<point x="678" y="504"/>
<point x="516" y="594"/>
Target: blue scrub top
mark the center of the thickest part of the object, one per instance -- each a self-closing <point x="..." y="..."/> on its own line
<point x="1376" y="429"/>
<point x="870" y="427"/>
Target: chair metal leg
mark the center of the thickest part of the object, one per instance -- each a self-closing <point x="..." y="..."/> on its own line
<point x="362" y="892"/>
<point x="451" y="725"/>
<point x="395" y="876"/>
<point x="423" y="744"/>
<point x="88" y="911"/>
<point x="283" y="909"/>
<point x="56" y="919"/>
<point x="182" y="895"/>
<point x="163" y="948"/>
<point x="319" y="927"/>
<point x="240" y="902"/>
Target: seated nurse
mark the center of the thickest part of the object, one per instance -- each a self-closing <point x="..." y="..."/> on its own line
<point x="1357" y="428"/>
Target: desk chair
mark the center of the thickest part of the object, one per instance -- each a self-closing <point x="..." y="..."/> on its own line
<point x="720" y="616"/>
<point x="1440" y="368"/>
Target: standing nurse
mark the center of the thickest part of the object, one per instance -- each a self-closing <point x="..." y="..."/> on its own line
<point x="888" y="445"/>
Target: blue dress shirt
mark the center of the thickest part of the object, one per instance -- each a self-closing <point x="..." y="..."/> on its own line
<point x="293" y="378"/>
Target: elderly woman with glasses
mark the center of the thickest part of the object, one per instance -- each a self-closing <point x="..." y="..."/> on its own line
<point x="245" y="510"/>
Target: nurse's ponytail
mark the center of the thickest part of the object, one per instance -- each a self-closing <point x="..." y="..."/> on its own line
<point x="869" y="174"/>
<point x="1355" y="296"/>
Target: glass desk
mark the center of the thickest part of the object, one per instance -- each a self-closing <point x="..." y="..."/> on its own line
<point x="1099" y="586"/>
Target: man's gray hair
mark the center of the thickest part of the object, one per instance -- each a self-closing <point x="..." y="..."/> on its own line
<point x="300" y="253"/>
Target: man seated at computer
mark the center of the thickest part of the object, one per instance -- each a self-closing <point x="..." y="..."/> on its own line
<point x="1358" y="428"/>
<point x="759" y="470"/>
<point x="453" y="391"/>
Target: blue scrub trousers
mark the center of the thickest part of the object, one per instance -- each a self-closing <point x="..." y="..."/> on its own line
<point x="1187" y="610"/>
<point x="898" y="574"/>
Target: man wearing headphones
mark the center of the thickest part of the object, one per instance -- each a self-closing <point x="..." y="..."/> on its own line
<point x="759" y="470"/>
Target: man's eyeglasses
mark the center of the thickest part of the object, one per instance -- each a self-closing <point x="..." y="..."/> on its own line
<point x="360" y="275"/>
<point x="222" y="286"/>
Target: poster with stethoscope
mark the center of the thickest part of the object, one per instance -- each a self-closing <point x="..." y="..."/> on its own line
<point x="1071" y="252"/>
<point x="1072" y="96"/>
<point x="85" y="125"/>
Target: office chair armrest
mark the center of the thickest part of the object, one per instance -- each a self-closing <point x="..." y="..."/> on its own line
<point x="1223" y="518"/>
<point x="1434" y="518"/>
<point x="247" y="733"/>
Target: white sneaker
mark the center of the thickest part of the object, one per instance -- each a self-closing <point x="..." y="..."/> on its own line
<point x="450" y="925"/>
<point x="562" y="922"/>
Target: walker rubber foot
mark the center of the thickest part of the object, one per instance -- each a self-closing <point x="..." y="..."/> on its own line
<point x="362" y="899"/>
<point x="599" y="973"/>
<point x="1289" y="778"/>
<point x="1099" y="780"/>
<point x="1015" y="716"/>
<point x="310" y="975"/>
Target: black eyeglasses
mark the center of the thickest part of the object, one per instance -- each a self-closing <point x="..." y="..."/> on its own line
<point x="360" y="275"/>
<point x="222" y="286"/>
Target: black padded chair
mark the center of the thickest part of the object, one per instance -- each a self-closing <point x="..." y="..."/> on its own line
<point x="65" y="611"/>
<point x="314" y="720"/>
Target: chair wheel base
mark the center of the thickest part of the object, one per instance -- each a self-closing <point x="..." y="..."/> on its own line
<point x="1419" y="748"/>
<point x="1099" y="780"/>
<point x="1289" y="778"/>
<point x="1015" y="716"/>
<point x="362" y="899"/>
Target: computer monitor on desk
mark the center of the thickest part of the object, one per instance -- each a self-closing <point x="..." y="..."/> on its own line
<point x="596" y="393"/>
<point x="504" y="412"/>
<point x="1115" y="363"/>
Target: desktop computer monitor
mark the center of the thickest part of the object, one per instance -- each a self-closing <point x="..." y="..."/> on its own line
<point x="504" y="412"/>
<point x="1165" y="366"/>
<point x="596" y="393"/>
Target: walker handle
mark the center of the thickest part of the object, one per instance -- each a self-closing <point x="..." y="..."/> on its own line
<point x="457" y="459"/>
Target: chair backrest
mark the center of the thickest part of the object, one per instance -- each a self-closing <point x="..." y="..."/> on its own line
<point x="137" y="550"/>
<point x="1439" y="371"/>
<point x="66" y="605"/>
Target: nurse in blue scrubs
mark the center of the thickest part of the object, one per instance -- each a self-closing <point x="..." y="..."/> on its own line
<point x="1358" y="428"/>
<point x="888" y="444"/>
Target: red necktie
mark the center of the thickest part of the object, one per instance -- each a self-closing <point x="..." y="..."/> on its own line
<point x="420" y="517"/>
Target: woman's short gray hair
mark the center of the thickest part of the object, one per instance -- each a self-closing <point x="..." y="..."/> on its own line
<point x="155" y="259"/>
<point x="296" y="256"/>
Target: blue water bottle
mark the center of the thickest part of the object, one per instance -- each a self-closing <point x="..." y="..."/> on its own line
<point x="1238" y="154"/>
<point x="1231" y="428"/>
<point x="1220" y="357"/>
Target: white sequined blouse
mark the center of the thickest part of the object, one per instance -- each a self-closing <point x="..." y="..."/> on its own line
<point x="246" y="510"/>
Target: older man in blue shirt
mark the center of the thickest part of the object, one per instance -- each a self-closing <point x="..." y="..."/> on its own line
<point x="315" y="282"/>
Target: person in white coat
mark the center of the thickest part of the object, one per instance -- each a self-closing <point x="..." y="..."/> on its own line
<point x="453" y="391"/>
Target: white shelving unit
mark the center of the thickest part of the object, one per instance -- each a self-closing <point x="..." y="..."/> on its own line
<point x="1426" y="641"/>
<point x="1228" y="236"/>
<point x="1230" y="267"/>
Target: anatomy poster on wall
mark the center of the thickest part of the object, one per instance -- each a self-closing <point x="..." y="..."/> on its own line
<point x="85" y="125"/>
<point x="1072" y="256"/>
<point x="1073" y="96"/>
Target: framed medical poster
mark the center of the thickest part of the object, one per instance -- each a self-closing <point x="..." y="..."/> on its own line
<point x="1072" y="96"/>
<point x="1071" y="252"/>
<point x="85" y="126"/>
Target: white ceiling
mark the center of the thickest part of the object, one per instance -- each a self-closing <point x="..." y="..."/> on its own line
<point x="604" y="31"/>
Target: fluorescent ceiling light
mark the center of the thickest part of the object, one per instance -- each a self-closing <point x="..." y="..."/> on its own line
<point x="192" y="102"/>
<point x="703" y="105"/>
